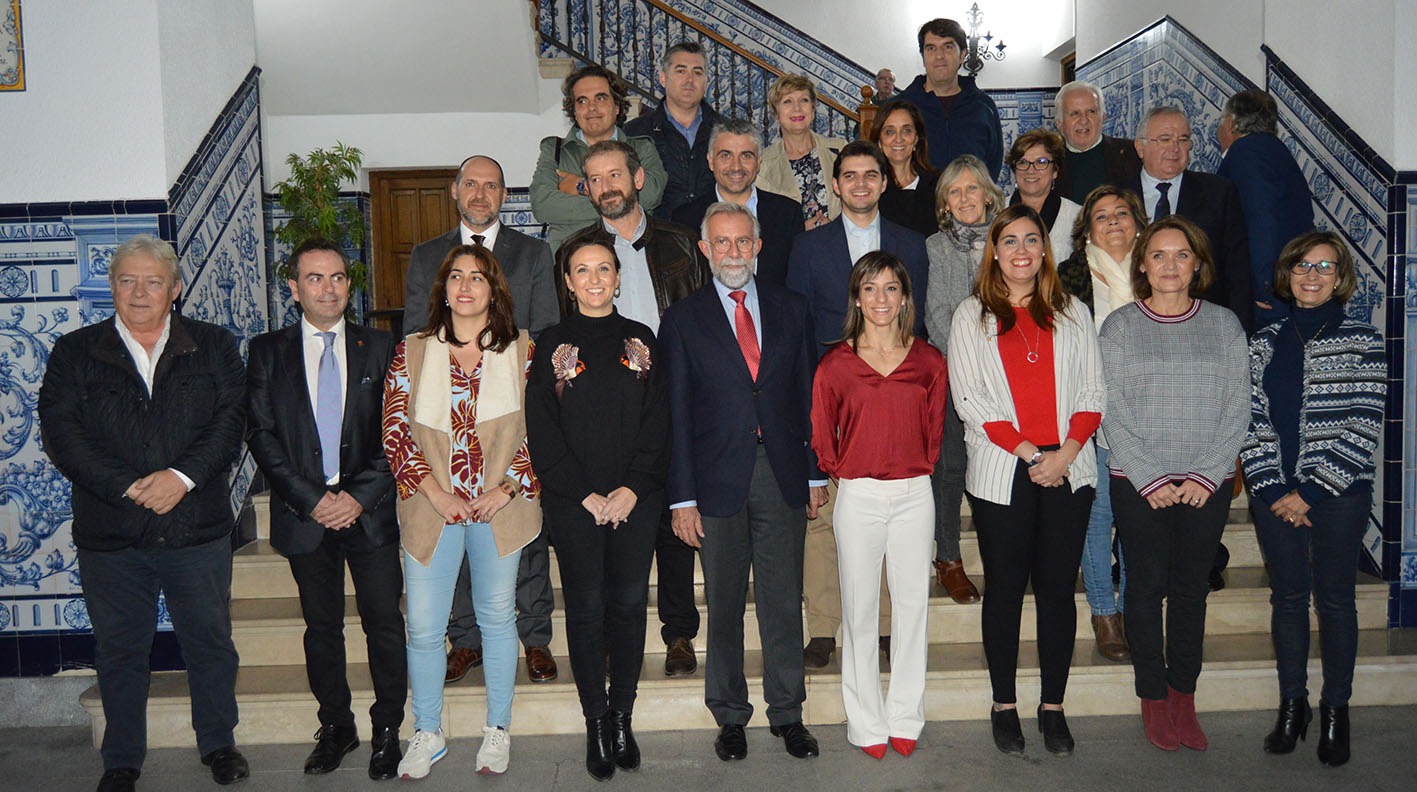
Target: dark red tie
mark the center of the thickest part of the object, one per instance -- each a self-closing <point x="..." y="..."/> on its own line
<point x="747" y="338"/>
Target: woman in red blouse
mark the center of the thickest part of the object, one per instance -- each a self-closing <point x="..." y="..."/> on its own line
<point x="1028" y="385"/>
<point x="455" y="437"/>
<point x="878" y="410"/>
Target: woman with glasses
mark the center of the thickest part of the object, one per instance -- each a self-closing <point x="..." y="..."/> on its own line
<point x="1316" y="411"/>
<point x="1034" y="159"/>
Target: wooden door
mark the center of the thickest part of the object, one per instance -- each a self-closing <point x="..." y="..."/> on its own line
<point x="406" y="207"/>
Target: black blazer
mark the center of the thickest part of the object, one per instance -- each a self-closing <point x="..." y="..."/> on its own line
<point x="281" y="434"/>
<point x="526" y="261"/>
<point x="716" y="408"/>
<point x="780" y="221"/>
<point x="1213" y="203"/>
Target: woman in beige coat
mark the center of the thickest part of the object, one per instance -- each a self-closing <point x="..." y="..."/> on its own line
<point x="799" y="163"/>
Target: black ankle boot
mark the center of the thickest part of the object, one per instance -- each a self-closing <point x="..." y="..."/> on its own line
<point x="1008" y="734"/>
<point x="622" y="740"/>
<point x="599" y="751"/>
<point x="1333" y="734"/>
<point x="1054" y="728"/>
<point x="1291" y="726"/>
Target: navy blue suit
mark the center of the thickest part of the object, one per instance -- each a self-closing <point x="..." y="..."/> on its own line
<point x="820" y="270"/>
<point x="1278" y="207"/>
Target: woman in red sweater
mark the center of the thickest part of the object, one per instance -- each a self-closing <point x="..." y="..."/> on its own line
<point x="878" y="410"/>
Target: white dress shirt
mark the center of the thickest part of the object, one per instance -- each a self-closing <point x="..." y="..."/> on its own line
<point x="489" y="237"/>
<point x="1152" y="196"/>
<point x="313" y="348"/>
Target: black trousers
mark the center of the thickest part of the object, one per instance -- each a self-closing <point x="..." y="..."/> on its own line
<point x="1037" y="539"/>
<point x="535" y="601"/>
<point x="377" y="571"/>
<point x="674" y="590"/>
<point x="605" y="586"/>
<point x="121" y="591"/>
<point x="947" y="485"/>
<point x="766" y="535"/>
<point x="1169" y="553"/>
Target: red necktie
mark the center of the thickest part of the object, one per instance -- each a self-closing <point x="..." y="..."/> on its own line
<point x="747" y="338"/>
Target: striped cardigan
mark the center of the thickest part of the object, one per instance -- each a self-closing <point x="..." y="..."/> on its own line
<point x="981" y="393"/>
<point x="1341" y="412"/>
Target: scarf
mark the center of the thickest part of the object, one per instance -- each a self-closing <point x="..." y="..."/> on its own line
<point x="1111" y="283"/>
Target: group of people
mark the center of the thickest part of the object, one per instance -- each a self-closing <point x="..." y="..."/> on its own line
<point x="795" y="359"/>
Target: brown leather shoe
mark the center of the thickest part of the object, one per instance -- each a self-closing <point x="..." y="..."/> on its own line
<point x="679" y="659"/>
<point x="460" y="661"/>
<point x="540" y="665"/>
<point x="950" y="575"/>
<point x="1111" y="642"/>
<point x="818" y="652"/>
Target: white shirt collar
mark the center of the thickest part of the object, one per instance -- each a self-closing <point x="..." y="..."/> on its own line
<point x="489" y="237"/>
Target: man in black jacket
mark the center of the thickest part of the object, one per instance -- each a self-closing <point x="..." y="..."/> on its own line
<point x="143" y="414"/>
<point x="314" y="402"/>
<point x="680" y="127"/>
<point x="660" y="264"/>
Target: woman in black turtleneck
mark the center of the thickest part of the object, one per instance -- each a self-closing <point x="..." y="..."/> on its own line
<point x="1319" y="380"/>
<point x="598" y="430"/>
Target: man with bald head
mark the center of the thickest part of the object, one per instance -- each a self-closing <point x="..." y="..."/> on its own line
<point x="1093" y="159"/>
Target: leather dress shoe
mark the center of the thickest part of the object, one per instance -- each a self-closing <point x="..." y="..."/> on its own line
<point x="1008" y="733"/>
<point x="951" y="577"/>
<point x="1054" y="728"/>
<point x="731" y="743"/>
<point x="622" y="739"/>
<point x="540" y="665"/>
<point x="331" y="744"/>
<point x="1333" y="734"/>
<point x="799" y="742"/>
<point x="599" y="748"/>
<point x="679" y="658"/>
<point x="119" y="779"/>
<point x="384" y="761"/>
<point x="460" y="661"/>
<point x="227" y="764"/>
<point x="1111" y="642"/>
<point x="1290" y="727"/>
<point x="885" y="643"/>
<point x="818" y="652"/>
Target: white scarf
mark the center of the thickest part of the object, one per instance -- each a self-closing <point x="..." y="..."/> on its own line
<point x="496" y="394"/>
<point x="1111" y="283"/>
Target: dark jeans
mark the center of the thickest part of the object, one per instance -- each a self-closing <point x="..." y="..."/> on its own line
<point x="534" y="601"/>
<point x="1322" y="560"/>
<point x="674" y="591"/>
<point x="947" y="485"/>
<point x="1169" y="554"/>
<point x="378" y="583"/>
<point x="121" y="589"/>
<point x="766" y="535"/>
<point x="1036" y="539"/>
<point x="605" y="586"/>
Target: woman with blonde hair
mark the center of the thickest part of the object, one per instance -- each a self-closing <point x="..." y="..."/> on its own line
<point x="799" y="163"/>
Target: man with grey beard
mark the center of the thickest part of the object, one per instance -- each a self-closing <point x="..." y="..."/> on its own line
<point x="739" y="355"/>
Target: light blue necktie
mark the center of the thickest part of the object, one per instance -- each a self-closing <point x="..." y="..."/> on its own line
<point x="327" y="408"/>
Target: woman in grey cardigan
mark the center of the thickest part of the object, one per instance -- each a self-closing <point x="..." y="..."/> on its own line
<point x="1178" y="385"/>
<point x="966" y="201"/>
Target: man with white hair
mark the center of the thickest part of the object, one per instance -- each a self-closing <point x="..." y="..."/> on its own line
<point x="1093" y="159"/>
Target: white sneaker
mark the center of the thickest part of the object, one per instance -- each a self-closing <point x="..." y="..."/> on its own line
<point x="496" y="751"/>
<point x="424" y="749"/>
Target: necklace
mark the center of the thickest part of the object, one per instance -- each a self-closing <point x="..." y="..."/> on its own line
<point x="1032" y="356"/>
<point x="1303" y="341"/>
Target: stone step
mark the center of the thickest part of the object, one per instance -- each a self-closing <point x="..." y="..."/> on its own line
<point x="268" y="632"/>
<point x="276" y="705"/>
<point x="258" y="571"/>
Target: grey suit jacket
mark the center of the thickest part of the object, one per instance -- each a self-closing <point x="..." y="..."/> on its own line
<point x="525" y="260"/>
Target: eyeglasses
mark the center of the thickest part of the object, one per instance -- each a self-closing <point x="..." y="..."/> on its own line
<point x="1042" y="163"/>
<point x="722" y="244"/>
<point x="1168" y="141"/>
<point x="1321" y="267"/>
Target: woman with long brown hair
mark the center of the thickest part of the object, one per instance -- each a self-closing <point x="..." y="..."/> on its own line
<point x="1027" y="381"/>
<point x="909" y="199"/>
<point x="455" y="437"/>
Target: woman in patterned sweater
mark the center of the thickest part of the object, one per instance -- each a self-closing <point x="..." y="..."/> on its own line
<point x="1316" y="411"/>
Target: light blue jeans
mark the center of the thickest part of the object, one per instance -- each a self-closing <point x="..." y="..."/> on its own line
<point x="430" y="600"/>
<point x="1097" y="550"/>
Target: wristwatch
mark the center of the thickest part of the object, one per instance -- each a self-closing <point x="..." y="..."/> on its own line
<point x="1036" y="458"/>
<point x="581" y="188"/>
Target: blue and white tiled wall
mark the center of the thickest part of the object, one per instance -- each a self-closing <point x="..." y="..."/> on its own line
<point x="1402" y="290"/>
<point x="54" y="260"/>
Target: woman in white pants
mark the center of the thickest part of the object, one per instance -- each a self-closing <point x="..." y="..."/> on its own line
<point x="878" y="410"/>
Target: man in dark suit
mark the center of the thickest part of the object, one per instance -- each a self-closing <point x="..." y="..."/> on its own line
<point x="1211" y="202"/>
<point x="527" y="263"/>
<point x="1093" y="158"/>
<point x="1276" y="198"/>
<point x="819" y="269"/>
<point x="314" y="402"/>
<point x="734" y="151"/>
<point x="742" y="476"/>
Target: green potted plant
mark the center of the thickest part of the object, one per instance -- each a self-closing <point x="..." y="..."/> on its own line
<point x="311" y="196"/>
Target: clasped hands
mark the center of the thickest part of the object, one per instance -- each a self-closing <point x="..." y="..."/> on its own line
<point x="1292" y="509"/>
<point x="1188" y="492"/>
<point x="614" y="508"/>
<point x="336" y="511"/>
<point x="159" y="491"/>
<point x="456" y="510"/>
<point x="1052" y="467"/>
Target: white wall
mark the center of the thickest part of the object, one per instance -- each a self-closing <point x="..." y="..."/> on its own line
<point x="206" y="47"/>
<point x="89" y="124"/>
<point x="1405" y="93"/>
<point x="1233" y="28"/>
<point x="878" y="35"/>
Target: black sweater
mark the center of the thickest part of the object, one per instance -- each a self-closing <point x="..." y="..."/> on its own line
<point x="608" y="426"/>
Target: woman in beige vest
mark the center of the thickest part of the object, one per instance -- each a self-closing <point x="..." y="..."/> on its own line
<point x="455" y="437"/>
